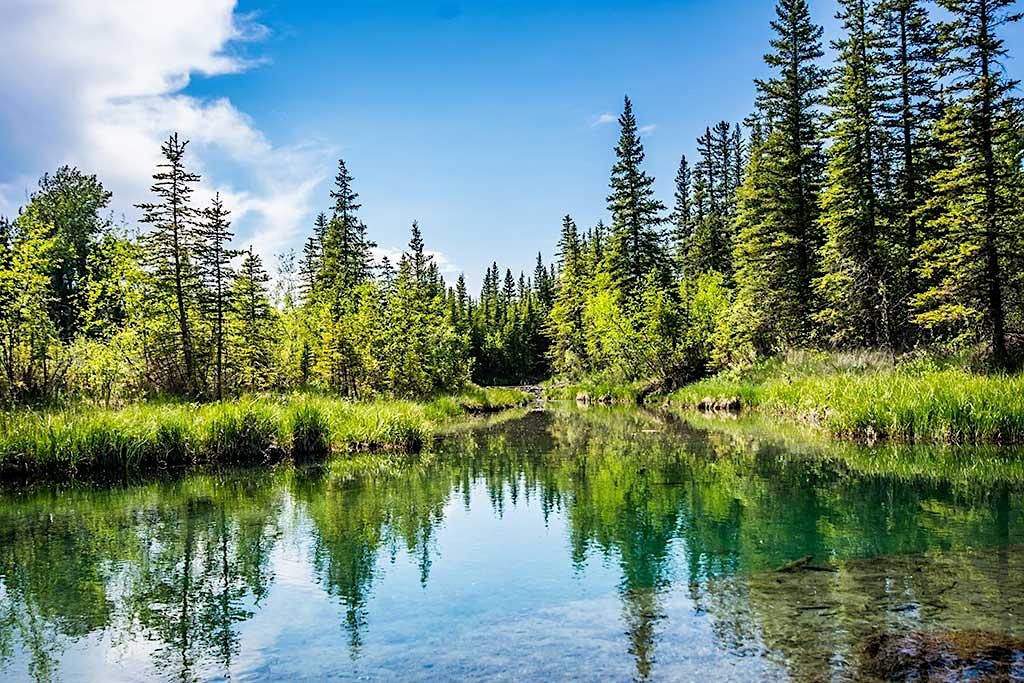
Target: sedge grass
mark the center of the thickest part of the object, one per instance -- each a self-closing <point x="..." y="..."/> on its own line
<point x="910" y="402"/>
<point x="157" y="435"/>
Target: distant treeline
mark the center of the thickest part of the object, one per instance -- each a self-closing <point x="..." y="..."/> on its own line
<point x="876" y="203"/>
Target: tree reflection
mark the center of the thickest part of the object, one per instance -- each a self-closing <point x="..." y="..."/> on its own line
<point x="681" y="510"/>
<point x="168" y="561"/>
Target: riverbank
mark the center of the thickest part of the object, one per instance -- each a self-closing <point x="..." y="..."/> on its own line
<point x="869" y="397"/>
<point x="88" y="441"/>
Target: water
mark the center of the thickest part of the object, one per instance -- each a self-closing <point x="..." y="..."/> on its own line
<point x="601" y="544"/>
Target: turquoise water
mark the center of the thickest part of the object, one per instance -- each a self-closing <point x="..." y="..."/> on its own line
<point x="603" y="544"/>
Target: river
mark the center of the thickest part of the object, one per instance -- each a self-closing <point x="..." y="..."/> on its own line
<point x="609" y="543"/>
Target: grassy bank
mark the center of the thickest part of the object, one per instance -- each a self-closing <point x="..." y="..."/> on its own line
<point x="148" y="436"/>
<point x="593" y="390"/>
<point x="871" y="397"/>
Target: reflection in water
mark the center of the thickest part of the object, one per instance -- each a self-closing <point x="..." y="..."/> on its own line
<point x="605" y="543"/>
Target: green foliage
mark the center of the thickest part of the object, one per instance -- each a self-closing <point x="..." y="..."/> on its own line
<point x="252" y="325"/>
<point x="862" y="254"/>
<point x="635" y="247"/>
<point x="973" y="218"/>
<point x="174" y="286"/>
<point x="85" y="441"/>
<point x="880" y="215"/>
<point x="868" y="397"/>
<point x="777" y="233"/>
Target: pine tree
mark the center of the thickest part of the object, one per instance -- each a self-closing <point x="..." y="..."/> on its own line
<point x="974" y="232"/>
<point x="910" y="57"/>
<point x="253" y="323"/>
<point x="636" y="247"/>
<point x="213" y="262"/>
<point x="566" y="330"/>
<point x="681" y="217"/>
<point x="542" y="285"/>
<point x="169" y="255"/>
<point x="857" y="286"/>
<point x="312" y="258"/>
<point x="778" y="237"/>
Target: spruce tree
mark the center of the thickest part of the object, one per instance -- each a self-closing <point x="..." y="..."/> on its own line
<point x="347" y="258"/>
<point x="681" y="217"/>
<point x="636" y="247"/>
<point x="973" y="236"/>
<point x="542" y="284"/>
<point x="312" y="258"/>
<point x="253" y="323"/>
<point x="856" y="288"/>
<point x="565" y="328"/>
<point x="169" y="256"/>
<point x="213" y="260"/>
<point x="708" y="246"/>
<point x="910" y="57"/>
<point x="778" y="237"/>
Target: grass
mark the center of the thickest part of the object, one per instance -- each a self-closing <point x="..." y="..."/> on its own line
<point x="88" y="440"/>
<point x="593" y="389"/>
<point x="871" y="397"/>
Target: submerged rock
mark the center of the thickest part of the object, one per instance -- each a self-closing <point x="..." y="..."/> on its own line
<point x="944" y="656"/>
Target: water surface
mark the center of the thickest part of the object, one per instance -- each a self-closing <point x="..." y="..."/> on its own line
<point x="603" y="544"/>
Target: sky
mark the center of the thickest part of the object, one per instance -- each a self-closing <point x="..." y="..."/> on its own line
<point x="485" y="121"/>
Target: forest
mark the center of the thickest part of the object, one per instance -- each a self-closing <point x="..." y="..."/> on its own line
<point x="874" y="202"/>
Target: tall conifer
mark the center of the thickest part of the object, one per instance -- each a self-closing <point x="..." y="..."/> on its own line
<point x="636" y="247"/>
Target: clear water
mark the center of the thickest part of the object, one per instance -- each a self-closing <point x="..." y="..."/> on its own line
<point x="604" y="544"/>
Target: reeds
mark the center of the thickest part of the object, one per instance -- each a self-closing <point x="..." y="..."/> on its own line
<point x="159" y="435"/>
<point x="913" y="402"/>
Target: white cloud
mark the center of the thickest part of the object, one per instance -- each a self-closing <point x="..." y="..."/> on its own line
<point x="444" y="265"/>
<point x="648" y="129"/>
<point x="602" y="119"/>
<point x="99" y="84"/>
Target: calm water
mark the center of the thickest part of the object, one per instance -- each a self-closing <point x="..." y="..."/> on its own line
<point x="605" y="544"/>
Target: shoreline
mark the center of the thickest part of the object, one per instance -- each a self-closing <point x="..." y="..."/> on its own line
<point x="850" y="397"/>
<point x="87" y="442"/>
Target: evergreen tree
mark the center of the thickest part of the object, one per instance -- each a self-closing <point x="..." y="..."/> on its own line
<point x="213" y="263"/>
<point x="636" y="247"/>
<point x="424" y="352"/>
<point x="312" y="257"/>
<point x="682" y="217"/>
<point x="974" y="231"/>
<point x="910" y="58"/>
<point x="253" y="323"/>
<point x="347" y="259"/>
<point x="508" y="295"/>
<point x="708" y="246"/>
<point x="778" y="236"/>
<point x="857" y="287"/>
<point x="169" y="258"/>
<point x="568" y="341"/>
<point x="542" y="284"/>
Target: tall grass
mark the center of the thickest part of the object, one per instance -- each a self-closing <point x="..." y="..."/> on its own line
<point x="594" y="389"/>
<point x="148" y="436"/>
<point x="873" y="398"/>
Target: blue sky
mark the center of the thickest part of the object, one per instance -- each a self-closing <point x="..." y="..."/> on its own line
<point x="484" y="121"/>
